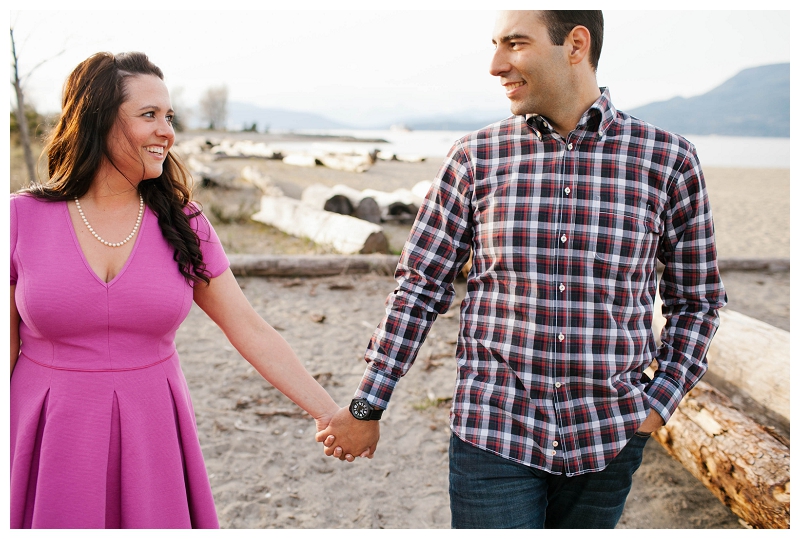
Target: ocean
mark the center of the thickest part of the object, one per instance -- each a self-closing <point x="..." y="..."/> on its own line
<point x="716" y="151"/>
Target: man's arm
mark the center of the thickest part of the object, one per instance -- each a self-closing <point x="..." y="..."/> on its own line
<point x="690" y="287"/>
<point x="438" y="246"/>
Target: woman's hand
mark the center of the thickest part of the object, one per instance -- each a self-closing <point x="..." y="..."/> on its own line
<point x="346" y="436"/>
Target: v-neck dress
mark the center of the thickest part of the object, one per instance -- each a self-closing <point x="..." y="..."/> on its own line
<point x="102" y="430"/>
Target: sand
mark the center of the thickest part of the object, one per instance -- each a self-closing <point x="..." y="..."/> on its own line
<point x="266" y="470"/>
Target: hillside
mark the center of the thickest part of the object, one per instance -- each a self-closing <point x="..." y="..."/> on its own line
<point x="753" y="103"/>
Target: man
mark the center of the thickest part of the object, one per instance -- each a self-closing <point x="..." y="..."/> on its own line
<point x="566" y="206"/>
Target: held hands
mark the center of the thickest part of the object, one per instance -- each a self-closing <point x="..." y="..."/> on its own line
<point x="347" y="437"/>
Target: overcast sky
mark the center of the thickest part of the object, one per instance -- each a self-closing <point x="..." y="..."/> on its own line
<point x="362" y="67"/>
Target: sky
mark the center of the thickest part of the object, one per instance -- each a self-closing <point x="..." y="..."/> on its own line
<point x="363" y="67"/>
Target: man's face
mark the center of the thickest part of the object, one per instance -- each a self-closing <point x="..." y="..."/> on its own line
<point x="533" y="71"/>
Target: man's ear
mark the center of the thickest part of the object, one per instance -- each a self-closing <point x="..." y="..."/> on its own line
<point x="579" y="41"/>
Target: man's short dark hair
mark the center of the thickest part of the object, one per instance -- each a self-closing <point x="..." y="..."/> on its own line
<point x="560" y="24"/>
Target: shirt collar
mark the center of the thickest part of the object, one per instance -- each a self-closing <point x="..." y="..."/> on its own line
<point x="597" y="119"/>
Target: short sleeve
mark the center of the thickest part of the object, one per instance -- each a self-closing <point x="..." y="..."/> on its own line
<point x="13" y="230"/>
<point x="214" y="256"/>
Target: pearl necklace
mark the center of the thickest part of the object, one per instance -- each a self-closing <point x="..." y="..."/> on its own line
<point x="101" y="240"/>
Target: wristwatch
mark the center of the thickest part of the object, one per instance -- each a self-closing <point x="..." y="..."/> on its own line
<point x="364" y="411"/>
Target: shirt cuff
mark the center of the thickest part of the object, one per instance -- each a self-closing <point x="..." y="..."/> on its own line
<point x="376" y="386"/>
<point x="665" y="394"/>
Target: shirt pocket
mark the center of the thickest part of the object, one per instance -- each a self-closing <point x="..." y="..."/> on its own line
<point x="627" y="236"/>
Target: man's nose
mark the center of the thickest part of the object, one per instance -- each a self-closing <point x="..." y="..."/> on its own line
<point x="499" y="63"/>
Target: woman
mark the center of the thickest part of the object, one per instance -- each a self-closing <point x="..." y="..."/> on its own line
<point x="106" y="258"/>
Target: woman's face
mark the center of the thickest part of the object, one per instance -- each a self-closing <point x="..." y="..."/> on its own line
<point x="142" y="134"/>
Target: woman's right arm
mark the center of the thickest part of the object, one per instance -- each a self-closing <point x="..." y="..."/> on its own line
<point x="14" y="329"/>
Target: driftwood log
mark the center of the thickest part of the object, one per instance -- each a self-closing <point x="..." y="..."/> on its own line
<point x="748" y="264"/>
<point x="749" y="361"/>
<point x="311" y="265"/>
<point x="751" y="358"/>
<point x="737" y="459"/>
<point x="399" y="204"/>
<point x="342" y="233"/>
<point x="342" y="199"/>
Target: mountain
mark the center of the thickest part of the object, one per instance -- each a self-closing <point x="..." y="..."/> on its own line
<point x="242" y="115"/>
<point x="753" y="103"/>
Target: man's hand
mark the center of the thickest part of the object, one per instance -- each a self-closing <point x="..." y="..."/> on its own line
<point x="651" y="424"/>
<point x="346" y="436"/>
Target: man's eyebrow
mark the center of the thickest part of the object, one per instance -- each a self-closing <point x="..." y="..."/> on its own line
<point x="511" y="37"/>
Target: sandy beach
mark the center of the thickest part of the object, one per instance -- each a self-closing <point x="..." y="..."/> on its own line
<point x="265" y="469"/>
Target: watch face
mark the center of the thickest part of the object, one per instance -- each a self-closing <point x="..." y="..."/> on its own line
<point x="360" y="410"/>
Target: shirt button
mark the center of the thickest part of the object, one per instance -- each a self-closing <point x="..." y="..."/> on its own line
<point x="569" y="146"/>
<point x="545" y="124"/>
<point x="601" y="134"/>
<point x="558" y="384"/>
<point x="561" y="287"/>
<point x="560" y="336"/>
<point x="567" y="190"/>
<point x="553" y="452"/>
<point x="555" y="444"/>
<point x="563" y="238"/>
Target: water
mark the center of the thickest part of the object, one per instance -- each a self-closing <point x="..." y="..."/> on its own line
<point x="713" y="151"/>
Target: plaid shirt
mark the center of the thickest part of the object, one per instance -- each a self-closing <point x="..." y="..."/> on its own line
<point x="555" y="329"/>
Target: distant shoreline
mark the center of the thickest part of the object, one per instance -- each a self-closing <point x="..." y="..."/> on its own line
<point x="274" y="137"/>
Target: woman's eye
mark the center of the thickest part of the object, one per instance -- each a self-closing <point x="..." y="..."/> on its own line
<point x="169" y="118"/>
<point x="150" y="114"/>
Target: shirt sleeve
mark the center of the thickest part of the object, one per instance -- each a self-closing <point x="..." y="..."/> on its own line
<point x="437" y="247"/>
<point x="214" y="256"/>
<point x="691" y="289"/>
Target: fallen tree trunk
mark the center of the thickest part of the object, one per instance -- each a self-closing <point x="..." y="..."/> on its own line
<point x="399" y="204"/>
<point x="753" y="357"/>
<point x="311" y="265"/>
<point x="749" y="361"/>
<point x="753" y="264"/>
<point x="734" y="457"/>
<point x="343" y="233"/>
<point x="749" y="264"/>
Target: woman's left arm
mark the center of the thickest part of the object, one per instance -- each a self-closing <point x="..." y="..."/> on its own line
<point x="262" y="346"/>
<point x="15" y="321"/>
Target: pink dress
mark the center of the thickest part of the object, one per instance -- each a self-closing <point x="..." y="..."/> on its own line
<point x="103" y="433"/>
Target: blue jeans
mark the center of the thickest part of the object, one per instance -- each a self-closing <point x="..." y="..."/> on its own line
<point x="488" y="491"/>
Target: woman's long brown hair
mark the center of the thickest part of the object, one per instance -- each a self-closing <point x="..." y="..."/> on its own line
<point x="77" y="145"/>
